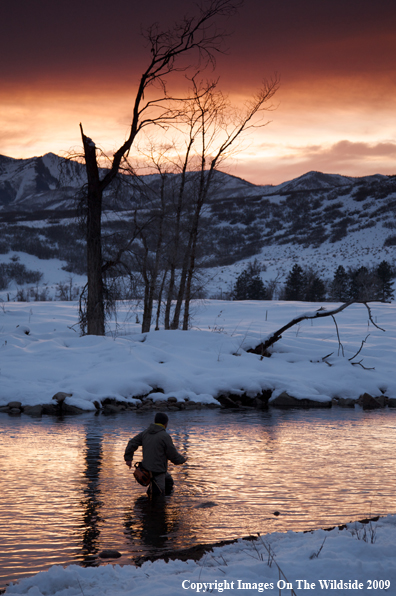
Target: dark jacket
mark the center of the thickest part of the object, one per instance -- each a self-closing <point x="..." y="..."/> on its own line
<point x="157" y="446"/>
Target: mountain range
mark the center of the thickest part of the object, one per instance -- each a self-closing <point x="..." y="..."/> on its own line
<point x="318" y="219"/>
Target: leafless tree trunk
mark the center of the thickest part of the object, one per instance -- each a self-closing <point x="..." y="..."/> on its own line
<point x="95" y="302"/>
<point x="173" y="261"/>
<point x="160" y="300"/>
<point x="166" y="47"/>
<point x="151" y="278"/>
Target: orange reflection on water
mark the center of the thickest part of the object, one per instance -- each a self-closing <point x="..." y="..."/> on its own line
<point x="67" y="493"/>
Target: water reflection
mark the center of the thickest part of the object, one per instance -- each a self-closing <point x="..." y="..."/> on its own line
<point x="91" y="502"/>
<point x="151" y="523"/>
<point x="67" y="494"/>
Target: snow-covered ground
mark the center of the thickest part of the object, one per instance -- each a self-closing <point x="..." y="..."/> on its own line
<point x="358" y="559"/>
<point x="42" y="353"/>
<point x="52" y="277"/>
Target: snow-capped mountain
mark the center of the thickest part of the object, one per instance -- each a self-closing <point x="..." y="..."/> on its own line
<point x="318" y="220"/>
<point x="46" y="182"/>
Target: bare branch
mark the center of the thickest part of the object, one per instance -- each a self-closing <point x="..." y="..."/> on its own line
<point x="340" y="346"/>
<point x="360" y="349"/>
<point x="262" y="348"/>
<point x="371" y="318"/>
<point x="198" y="34"/>
<point x="324" y="359"/>
<point x="360" y="364"/>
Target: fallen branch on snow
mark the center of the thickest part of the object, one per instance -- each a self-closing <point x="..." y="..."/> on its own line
<point x="262" y="349"/>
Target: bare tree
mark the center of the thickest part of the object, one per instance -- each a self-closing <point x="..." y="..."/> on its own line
<point x="216" y="136"/>
<point x="185" y="177"/>
<point x="197" y="35"/>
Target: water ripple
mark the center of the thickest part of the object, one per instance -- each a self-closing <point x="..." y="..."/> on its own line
<point x="67" y="494"/>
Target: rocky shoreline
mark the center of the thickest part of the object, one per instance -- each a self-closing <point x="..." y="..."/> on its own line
<point x="60" y="406"/>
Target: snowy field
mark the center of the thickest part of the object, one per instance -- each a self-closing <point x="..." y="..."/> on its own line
<point x="358" y="559"/>
<point x="41" y="353"/>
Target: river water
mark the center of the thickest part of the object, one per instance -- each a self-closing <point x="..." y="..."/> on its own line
<point x="66" y="493"/>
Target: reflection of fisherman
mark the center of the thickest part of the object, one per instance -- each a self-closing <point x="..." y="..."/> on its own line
<point x="158" y="448"/>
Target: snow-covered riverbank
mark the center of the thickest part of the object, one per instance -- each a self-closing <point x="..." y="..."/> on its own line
<point x="358" y="559"/>
<point x="42" y="341"/>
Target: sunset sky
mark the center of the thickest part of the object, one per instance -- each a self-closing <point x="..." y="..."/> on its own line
<point x="67" y="62"/>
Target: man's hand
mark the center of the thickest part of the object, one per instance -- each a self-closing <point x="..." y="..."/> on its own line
<point x="129" y="464"/>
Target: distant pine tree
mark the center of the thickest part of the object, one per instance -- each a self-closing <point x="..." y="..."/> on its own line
<point x="295" y="284"/>
<point x="339" y="290"/>
<point x="315" y="289"/>
<point x="249" y="285"/>
<point x="362" y="284"/>
<point x="384" y="280"/>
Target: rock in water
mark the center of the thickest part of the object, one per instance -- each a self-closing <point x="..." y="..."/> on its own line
<point x="109" y="554"/>
<point x="33" y="410"/>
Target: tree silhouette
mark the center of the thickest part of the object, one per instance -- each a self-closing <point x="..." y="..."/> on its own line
<point x="385" y="276"/>
<point x="340" y="285"/>
<point x="249" y="285"/>
<point x="195" y="35"/>
<point x="294" y="288"/>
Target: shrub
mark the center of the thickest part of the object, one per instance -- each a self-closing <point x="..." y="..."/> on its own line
<point x="390" y="241"/>
<point x="18" y="273"/>
<point x="4" y="247"/>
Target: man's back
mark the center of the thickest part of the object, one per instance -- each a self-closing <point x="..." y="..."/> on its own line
<point x="158" y="448"/>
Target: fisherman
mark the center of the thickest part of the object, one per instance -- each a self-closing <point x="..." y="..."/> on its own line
<point x="158" y="448"/>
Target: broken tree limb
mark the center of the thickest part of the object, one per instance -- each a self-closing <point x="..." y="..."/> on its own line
<point x="340" y="346"/>
<point x="262" y="349"/>
<point x="360" y="349"/>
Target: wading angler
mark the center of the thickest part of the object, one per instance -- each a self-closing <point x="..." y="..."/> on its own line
<point x="158" y="448"/>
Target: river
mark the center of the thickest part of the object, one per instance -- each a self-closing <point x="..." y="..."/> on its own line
<point x="67" y="494"/>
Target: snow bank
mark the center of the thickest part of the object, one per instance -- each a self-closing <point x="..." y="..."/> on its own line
<point x="329" y="562"/>
<point x="41" y="354"/>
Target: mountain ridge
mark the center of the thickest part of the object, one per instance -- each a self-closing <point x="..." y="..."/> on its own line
<point x="318" y="220"/>
<point x="25" y="182"/>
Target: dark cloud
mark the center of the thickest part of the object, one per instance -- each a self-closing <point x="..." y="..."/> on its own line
<point x="67" y="61"/>
<point x="96" y="39"/>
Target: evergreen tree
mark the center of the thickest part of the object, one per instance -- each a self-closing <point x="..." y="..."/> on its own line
<point x="249" y="285"/>
<point x="384" y="281"/>
<point x="362" y="284"/>
<point x="315" y="289"/>
<point x="340" y="286"/>
<point x="295" y="282"/>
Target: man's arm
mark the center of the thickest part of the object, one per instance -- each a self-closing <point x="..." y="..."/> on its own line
<point x="172" y="454"/>
<point x="133" y="444"/>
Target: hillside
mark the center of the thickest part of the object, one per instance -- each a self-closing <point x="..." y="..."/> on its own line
<point x="318" y="220"/>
